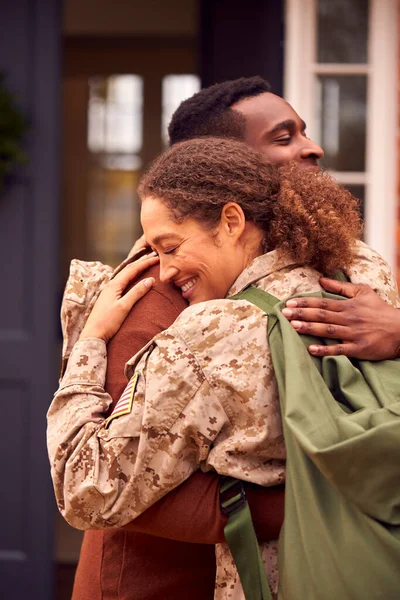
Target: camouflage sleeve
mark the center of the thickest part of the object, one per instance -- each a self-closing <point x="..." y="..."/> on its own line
<point x="84" y="284"/>
<point x="371" y="269"/>
<point x="107" y="472"/>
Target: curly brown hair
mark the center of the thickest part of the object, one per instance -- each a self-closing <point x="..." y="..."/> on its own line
<point x="304" y="213"/>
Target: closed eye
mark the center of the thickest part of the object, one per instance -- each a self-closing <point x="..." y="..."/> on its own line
<point x="172" y="251"/>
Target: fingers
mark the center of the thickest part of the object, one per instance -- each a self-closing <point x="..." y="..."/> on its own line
<point x="136" y="293"/>
<point x="327" y="330"/>
<point x="131" y="271"/>
<point x="350" y="290"/>
<point x="323" y="305"/>
<point x="350" y="350"/>
<point x="315" y="309"/>
<point x="139" y="245"/>
<point x="111" y="309"/>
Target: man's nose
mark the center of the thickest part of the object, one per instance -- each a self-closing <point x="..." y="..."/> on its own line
<point x="311" y="150"/>
<point x="167" y="271"/>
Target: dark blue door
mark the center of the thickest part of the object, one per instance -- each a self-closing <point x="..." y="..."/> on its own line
<point x="29" y="57"/>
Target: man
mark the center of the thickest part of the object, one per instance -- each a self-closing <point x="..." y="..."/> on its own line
<point x="126" y="563"/>
<point x="368" y="327"/>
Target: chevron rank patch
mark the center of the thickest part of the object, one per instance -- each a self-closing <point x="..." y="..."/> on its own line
<point x="124" y="404"/>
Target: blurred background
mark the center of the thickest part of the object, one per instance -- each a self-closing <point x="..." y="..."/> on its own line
<point x="98" y="82"/>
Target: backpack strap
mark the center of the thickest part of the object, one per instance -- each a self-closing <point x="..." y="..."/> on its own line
<point x="242" y="540"/>
<point x="239" y="531"/>
<point x="340" y="276"/>
<point x="262" y="299"/>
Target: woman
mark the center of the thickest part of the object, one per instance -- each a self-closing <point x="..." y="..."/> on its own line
<point x="202" y="393"/>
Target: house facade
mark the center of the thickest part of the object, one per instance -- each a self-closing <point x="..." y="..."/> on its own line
<point x="98" y="87"/>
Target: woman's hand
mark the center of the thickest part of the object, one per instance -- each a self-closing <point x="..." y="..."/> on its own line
<point x="113" y="305"/>
<point x="367" y="327"/>
<point x="138" y="246"/>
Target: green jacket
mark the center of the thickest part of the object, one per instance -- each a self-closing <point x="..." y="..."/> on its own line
<point x="341" y="535"/>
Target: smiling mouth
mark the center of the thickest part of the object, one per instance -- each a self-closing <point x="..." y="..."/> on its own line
<point x="188" y="285"/>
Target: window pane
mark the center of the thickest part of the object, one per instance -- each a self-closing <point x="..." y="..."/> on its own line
<point x="342" y="31"/>
<point x="115" y="114"/>
<point x="175" y="89"/>
<point x="113" y="213"/>
<point x="115" y="132"/>
<point x="341" y="106"/>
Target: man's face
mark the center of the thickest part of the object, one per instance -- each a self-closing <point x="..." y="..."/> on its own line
<point x="276" y="130"/>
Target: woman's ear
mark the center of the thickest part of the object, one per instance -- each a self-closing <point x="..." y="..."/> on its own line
<point x="233" y="220"/>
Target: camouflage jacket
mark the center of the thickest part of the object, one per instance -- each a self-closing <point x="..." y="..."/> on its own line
<point x="201" y="394"/>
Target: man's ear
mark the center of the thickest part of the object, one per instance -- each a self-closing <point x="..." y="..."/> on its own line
<point x="233" y="220"/>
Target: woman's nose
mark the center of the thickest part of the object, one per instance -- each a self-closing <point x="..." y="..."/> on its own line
<point x="167" y="272"/>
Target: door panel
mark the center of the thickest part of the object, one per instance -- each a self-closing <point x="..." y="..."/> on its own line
<point x="241" y="40"/>
<point x="14" y="217"/>
<point x="29" y="57"/>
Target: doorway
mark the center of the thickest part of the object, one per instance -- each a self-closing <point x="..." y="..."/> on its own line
<point x="118" y="94"/>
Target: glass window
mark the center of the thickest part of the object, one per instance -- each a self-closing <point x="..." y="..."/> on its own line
<point x="115" y="114"/>
<point x="342" y="31"/>
<point x="175" y="89"/>
<point x="115" y="135"/>
<point x="341" y="109"/>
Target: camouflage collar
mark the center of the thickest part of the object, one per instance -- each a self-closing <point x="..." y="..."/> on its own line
<point x="272" y="262"/>
<point x="262" y="266"/>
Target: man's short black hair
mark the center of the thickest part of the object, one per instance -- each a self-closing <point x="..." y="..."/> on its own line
<point x="209" y="111"/>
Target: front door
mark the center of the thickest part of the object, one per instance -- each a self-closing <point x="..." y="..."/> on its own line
<point x="29" y="58"/>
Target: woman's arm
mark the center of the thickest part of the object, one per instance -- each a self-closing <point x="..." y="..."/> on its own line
<point x="107" y="476"/>
<point x="191" y="512"/>
<point x="107" y="473"/>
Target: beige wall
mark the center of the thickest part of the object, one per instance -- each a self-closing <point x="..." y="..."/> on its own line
<point x="131" y="17"/>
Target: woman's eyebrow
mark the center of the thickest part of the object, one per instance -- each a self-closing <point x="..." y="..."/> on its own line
<point x="163" y="236"/>
<point x="288" y="124"/>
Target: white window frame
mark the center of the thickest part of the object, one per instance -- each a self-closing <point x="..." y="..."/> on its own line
<point x="301" y="70"/>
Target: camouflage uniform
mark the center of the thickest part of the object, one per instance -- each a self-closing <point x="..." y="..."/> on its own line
<point x="202" y="395"/>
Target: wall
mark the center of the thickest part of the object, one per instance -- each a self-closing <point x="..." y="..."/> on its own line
<point x="131" y="18"/>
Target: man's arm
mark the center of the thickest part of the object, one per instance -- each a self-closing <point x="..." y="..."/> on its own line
<point x="367" y="326"/>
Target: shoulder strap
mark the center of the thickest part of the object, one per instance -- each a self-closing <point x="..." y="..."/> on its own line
<point x="262" y="299"/>
<point x="242" y="540"/>
<point x="239" y="531"/>
<point x="267" y="301"/>
<point x="340" y="276"/>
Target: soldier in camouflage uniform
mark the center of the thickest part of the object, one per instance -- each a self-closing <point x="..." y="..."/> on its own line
<point x="202" y="394"/>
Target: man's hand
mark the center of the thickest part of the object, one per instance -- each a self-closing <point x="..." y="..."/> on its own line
<point x="113" y="304"/>
<point x="368" y="327"/>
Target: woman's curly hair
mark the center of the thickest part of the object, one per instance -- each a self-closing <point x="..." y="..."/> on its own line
<point x="304" y="213"/>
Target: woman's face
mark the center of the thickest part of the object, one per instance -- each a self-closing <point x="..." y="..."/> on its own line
<point x="202" y="263"/>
